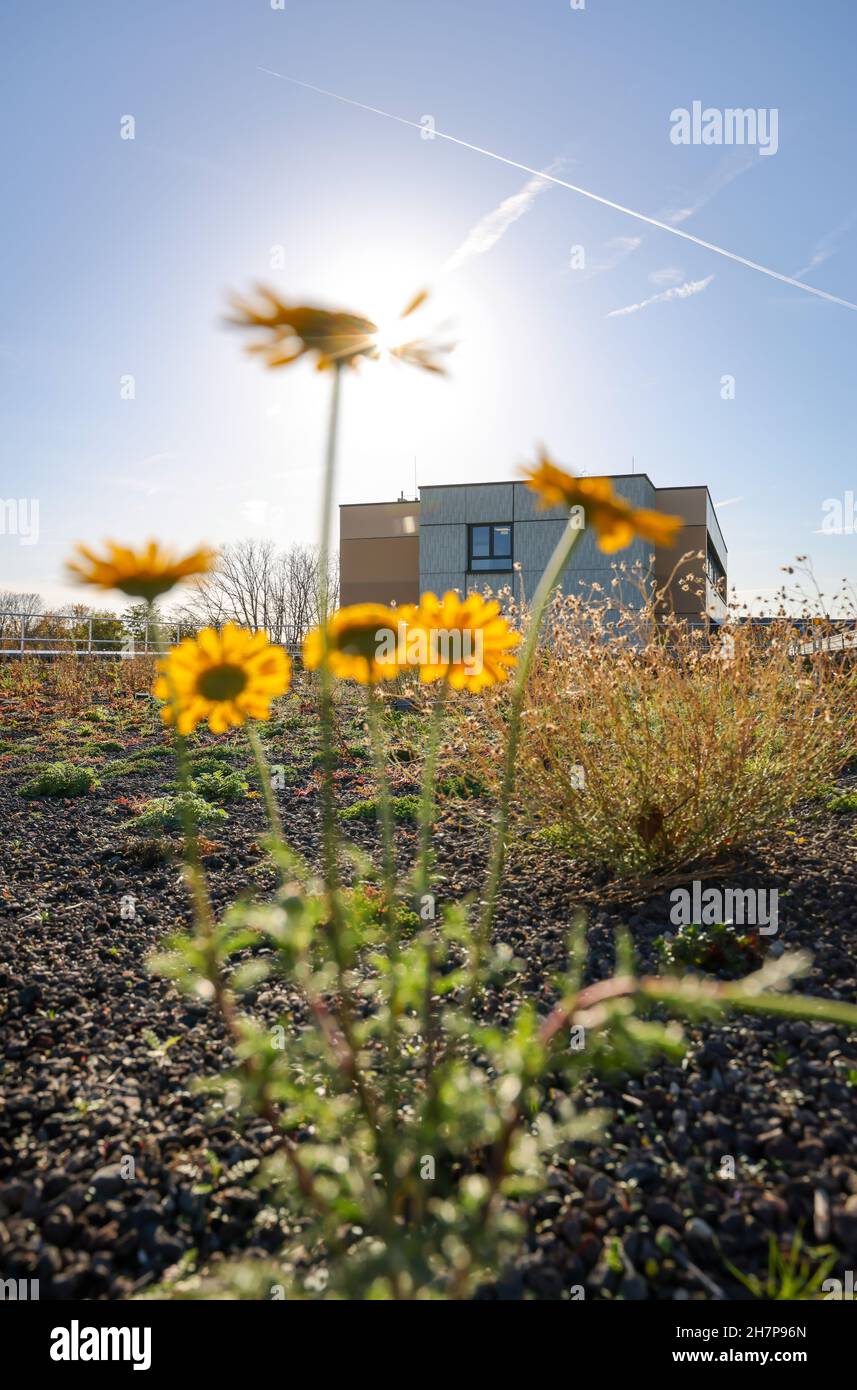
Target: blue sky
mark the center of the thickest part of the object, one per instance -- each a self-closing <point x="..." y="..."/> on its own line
<point x="118" y="255"/>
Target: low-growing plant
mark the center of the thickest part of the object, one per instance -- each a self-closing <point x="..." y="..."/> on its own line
<point x="220" y="788"/>
<point x="844" y="805"/>
<point x="130" y="767"/>
<point x="147" y="852"/>
<point x="795" y="1272"/>
<point x="60" y="779"/>
<point x="212" y="759"/>
<point x="406" y="1118"/>
<point x="654" y="746"/>
<point x="402" y="808"/>
<point x="96" y="715"/>
<point x="153" y="752"/>
<point x="461" y="786"/>
<point x="107" y="745"/>
<point x="719" y="949"/>
<point x="171" y="812"/>
<point x="17" y="769"/>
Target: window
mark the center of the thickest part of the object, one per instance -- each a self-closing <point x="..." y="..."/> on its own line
<point x="490" y="547"/>
<point x="714" y="572"/>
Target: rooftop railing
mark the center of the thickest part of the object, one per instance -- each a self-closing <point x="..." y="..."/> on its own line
<point x="56" y="634"/>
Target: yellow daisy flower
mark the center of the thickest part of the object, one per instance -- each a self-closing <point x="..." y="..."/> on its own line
<point x="334" y="338"/>
<point x="617" y="523"/>
<point x="465" y="642"/>
<point x="144" y="574"/>
<point x="362" y="643"/>
<point x="223" y="677"/>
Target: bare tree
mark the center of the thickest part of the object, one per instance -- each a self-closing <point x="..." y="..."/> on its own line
<point x="259" y="586"/>
<point x="26" y="607"/>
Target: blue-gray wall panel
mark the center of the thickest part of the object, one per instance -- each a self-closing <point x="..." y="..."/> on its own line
<point x="443" y="548"/>
<point x="440" y="582"/>
<point x="488" y="502"/>
<point x="527" y="506"/>
<point x="535" y="541"/>
<point x="441" y="504"/>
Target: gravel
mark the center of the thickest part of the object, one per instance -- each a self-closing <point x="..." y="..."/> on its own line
<point x="114" y="1169"/>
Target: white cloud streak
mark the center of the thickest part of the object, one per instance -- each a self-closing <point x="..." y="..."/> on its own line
<point x="615" y="251"/>
<point x="490" y="228"/>
<point x="827" y="246"/>
<point x="676" y="292"/>
<point x="726" y="174"/>
<point x="670" y="275"/>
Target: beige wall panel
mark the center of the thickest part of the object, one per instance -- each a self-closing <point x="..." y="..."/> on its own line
<point x="380" y="570"/>
<point x="379" y="519"/>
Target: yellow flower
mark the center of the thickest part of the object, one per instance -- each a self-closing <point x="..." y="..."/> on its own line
<point x="145" y="573"/>
<point x="225" y="677"/>
<point x="464" y="642"/>
<point x="362" y="644"/>
<point x="334" y="338"/>
<point x="616" y="521"/>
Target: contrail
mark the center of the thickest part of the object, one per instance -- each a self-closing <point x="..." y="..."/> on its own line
<point x="575" y="188"/>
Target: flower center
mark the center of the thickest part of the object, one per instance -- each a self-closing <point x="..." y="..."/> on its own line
<point x="359" y="641"/>
<point x="221" y="682"/>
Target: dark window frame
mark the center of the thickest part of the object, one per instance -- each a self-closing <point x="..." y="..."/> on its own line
<point x="492" y="562"/>
<point x="714" y="571"/>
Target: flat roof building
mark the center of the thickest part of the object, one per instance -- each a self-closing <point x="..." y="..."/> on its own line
<point x="472" y="536"/>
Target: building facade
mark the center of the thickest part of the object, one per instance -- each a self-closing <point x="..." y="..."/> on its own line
<point x="473" y="536"/>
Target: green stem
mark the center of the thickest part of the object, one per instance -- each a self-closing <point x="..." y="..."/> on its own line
<point x="328" y="807"/>
<point x="272" y="810"/>
<point x="204" y="922"/>
<point x="427" y="798"/>
<point x="328" y="489"/>
<point x="379" y="759"/>
<point x="547" y="584"/>
<point x="330" y="839"/>
<point x="423" y="879"/>
<point x="203" y="916"/>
